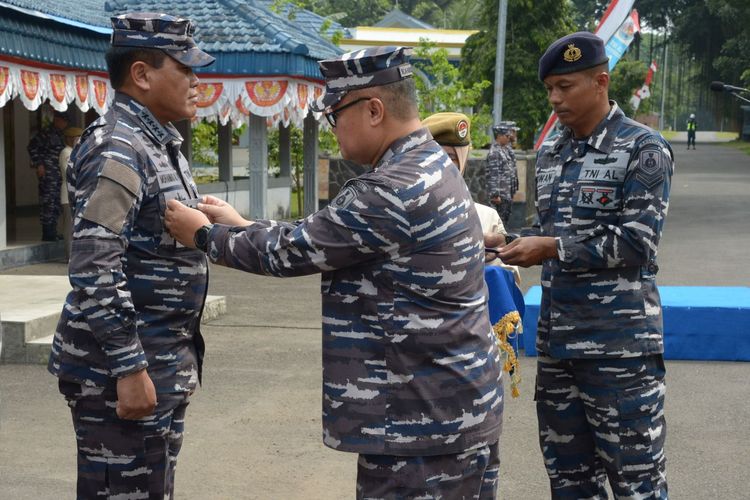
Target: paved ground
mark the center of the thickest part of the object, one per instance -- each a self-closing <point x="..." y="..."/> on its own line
<point x="253" y="429"/>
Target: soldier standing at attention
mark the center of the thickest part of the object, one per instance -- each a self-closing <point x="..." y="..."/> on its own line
<point x="602" y="190"/>
<point x="128" y="349"/>
<point x="512" y="158"/>
<point x="44" y="152"/>
<point x="411" y="378"/>
<point x="692" y="126"/>
<point x="499" y="173"/>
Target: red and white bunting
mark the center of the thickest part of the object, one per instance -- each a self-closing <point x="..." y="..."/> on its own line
<point x="282" y="100"/>
<point x="279" y="100"/>
<point x="33" y="86"/>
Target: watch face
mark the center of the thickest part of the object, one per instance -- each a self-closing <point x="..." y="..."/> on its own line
<point x="201" y="238"/>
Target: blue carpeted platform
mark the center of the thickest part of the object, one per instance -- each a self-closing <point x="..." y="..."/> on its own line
<point x="700" y="322"/>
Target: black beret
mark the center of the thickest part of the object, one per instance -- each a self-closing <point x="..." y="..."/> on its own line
<point x="571" y="53"/>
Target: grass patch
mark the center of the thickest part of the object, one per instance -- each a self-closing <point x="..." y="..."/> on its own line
<point x="743" y="146"/>
<point x="669" y="134"/>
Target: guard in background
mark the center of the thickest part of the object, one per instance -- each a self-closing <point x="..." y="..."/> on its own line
<point x="411" y="378"/>
<point x="499" y="172"/>
<point x="602" y="191"/>
<point x="692" y="126"/>
<point x="128" y="348"/>
<point x="512" y="156"/>
<point x="44" y="152"/>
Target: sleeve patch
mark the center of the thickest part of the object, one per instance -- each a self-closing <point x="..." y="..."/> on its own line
<point x="113" y="197"/>
<point x="349" y="193"/>
<point x="651" y="166"/>
<point x="123" y="175"/>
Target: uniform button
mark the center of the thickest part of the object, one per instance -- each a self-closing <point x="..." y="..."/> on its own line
<point x="653" y="268"/>
<point x="213" y="254"/>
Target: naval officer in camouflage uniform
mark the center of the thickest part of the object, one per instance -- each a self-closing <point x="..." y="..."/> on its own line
<point x="500" y="171"/>
<point x="602" y="191"/>
<point x="44" y="152"/>
<point x="128" y="349"/>
<point x="411" y="376"/>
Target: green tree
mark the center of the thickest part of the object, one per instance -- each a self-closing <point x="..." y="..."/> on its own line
<point x="440" y="87"/>
<point x="627" y="76"/>
<point x="531" y="27"/>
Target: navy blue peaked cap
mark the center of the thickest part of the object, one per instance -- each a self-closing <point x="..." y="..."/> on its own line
<point x="361" y="69"/>
<point x="572" y="53"/>
<point x="153" y="30"/>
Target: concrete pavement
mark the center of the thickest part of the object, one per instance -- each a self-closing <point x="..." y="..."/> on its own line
<point x="253" y="429"/>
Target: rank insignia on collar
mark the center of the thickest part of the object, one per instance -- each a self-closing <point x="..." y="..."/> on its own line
<point x="572" y="53"/>
<point x="153" y="126"/>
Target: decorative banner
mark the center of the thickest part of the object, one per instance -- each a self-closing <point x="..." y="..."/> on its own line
<point x="209" y="93"/>
<point x="58" y="84"/>
<point x="621" y="40"/>
<point x="266" y="93"/>
<point x="241" y="107"/>
<point x="6" y="93"/>
<point x="82" y="92"/>
<point x="30" y="83"/>
<point x="101" y="95"/>
<point x="303" y="92"/>
<point x="284" y="100"/>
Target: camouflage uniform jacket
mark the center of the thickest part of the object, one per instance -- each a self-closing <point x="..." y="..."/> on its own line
<point x="499" y="173"/>
<point x="410" y="366"/>
<point x="44" y="149"/>
<point x="605" y="200"/>
<point x="137" y="295"/>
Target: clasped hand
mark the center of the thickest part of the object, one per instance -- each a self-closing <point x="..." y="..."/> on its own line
<point x="182" y="222"/>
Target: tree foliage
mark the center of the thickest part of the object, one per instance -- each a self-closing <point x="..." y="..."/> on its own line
<point x="627" y="76"/>
<point x="531" y="27"/>
<point x="440" y="87"/>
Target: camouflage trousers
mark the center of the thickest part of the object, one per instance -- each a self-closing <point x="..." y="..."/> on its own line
<point x="133" y="459"/>
<point x="471" y="474"/>
<point x="603" y="419"/>
<point x="49" y="196"/>
<point x="503" y="210"/>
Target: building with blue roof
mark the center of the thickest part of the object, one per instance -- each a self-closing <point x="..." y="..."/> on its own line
<point x="265" y="75"/>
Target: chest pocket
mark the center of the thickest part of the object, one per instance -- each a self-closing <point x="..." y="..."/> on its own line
<point x="600" y="181"/>
<point x="545" y="181"/>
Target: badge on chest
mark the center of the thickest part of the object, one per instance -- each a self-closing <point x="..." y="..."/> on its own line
<point x="600" y="181"/>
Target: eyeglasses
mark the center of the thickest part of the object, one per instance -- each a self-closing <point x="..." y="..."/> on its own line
<point x="332" y="116"/>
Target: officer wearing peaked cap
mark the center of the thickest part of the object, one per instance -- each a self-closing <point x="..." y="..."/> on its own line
<point x="128" y="349"/>
<point x="602" y="191"/>
<point x="411" y="378"/>
<point x="500" y="172"/>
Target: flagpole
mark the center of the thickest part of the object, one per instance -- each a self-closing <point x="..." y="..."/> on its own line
<point x="497" y="105"/>
<point x="664" y="81"/>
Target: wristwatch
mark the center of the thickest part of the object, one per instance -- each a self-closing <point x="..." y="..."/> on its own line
<point x="200" y="238"/>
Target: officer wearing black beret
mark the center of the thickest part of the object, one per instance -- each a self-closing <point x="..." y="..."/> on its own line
<point x="602" y="191"/>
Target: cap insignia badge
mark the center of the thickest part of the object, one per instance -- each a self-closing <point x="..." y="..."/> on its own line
<point x="572" y="53"/>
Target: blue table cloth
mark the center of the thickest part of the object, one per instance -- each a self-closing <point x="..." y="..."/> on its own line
<point x="700" y="322"/>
